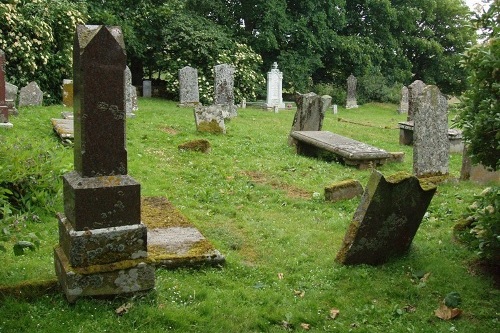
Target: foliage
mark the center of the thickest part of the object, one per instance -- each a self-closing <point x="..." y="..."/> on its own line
<point x="374" y="87"/>
<point x="480" y="114"/>
<point x="37" y="38"/>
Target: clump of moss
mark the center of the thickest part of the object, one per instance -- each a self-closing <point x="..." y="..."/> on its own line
<point x="158" y="212"/>
<point x="200" y="145"/>
<point x="211" y="127"/>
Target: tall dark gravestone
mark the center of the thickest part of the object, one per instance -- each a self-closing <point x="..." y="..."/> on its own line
<point x="102" y="242"/>
<point x="4" y="110"/>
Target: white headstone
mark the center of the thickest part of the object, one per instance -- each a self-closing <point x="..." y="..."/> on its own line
<point x="274" y="88"/>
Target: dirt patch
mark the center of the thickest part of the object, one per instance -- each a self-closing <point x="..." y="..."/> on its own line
<point x="170" y="130"/>
<point x="291" y="191"/>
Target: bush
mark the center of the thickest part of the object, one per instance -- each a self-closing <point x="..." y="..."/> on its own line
<point x="373" y="87"/>
<point x="338" y="94"/>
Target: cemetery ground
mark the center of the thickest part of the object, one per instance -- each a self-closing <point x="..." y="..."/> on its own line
<point x="263" y="207"/>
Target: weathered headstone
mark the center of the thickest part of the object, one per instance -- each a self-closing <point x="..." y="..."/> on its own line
<point x="414" y="90"/>
<point x="129" y="89"/>
<point x="210" y="118"/>
<point x="11" y="98"/>
<point x="310" y="112"/>
<point x="68" y="93"/>
<point x="430" y="135"/>
<point x="351" y="93"/>
<point x="133" y="97"/>
<point x="275" y="88"/>
<point x="147" y="88"/>
<point x="102" y="242"/>
<point x="4" y="111"/>
<point x="477" y="172"/>
<point x="403" y="105"/>
<point x="31" y="95"/>
<point x="386" y="219"/>
<point x="224" y="88"/>
<point x="189" y="94"/>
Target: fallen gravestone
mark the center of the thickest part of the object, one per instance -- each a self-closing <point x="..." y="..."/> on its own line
<point x="310" y="113"/>
<point x="30" y="95"/>
<point x="189" y="94"/>
<point x="343" y="190"/>
<point x="224" y="89"/>
<point x="102" y="243"/>
<point x="351" y="93"/>
<point x="275" y="88"/>
<point x="386" y="220"/>
<point x="210" y="118"/>
<point x="4" y="110"/>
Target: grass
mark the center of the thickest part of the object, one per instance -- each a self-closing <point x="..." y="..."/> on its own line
<point x="262" y="206"/>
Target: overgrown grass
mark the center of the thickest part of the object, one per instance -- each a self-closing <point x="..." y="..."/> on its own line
<point x="262" y="206"/>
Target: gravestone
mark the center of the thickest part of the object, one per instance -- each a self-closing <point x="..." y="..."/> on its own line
<point x="403" y="105"/>
<point x="11" y="98"/>
<point x="430" y="134"/>
<point x="414" y="90"/>
<point x="133" y="97"/>
<point x="386" y="220"/>
<point x="147" y="88"/>
<point x="102" y="243"/>
<point x="275" y="88"/>
<point x="477" y="173"/>
<point x="224" y="88"/>
<point x="68" y="93"/>
<point x="30" y="95"/>
<point x="4" y="110"/>
<point x="335" y="109"/>
<point x="351" y="93"/>
<point x="310" y="112"/>
<point x="129" y="89"/>
<point x="189" y="94"/>
<point x="210" y="118"/>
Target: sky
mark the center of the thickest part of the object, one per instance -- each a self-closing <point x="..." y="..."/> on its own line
<point x="471" y="3"/>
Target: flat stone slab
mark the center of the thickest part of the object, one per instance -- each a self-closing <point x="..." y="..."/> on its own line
<point x="352" y="152"/>
<point x="63" y="128"/>
<point x="173" y="241"/>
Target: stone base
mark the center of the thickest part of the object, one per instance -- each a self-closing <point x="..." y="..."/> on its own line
<point x="6" y="125"/>
<point x="123" y="277"/>
<point x="344" y="190"/>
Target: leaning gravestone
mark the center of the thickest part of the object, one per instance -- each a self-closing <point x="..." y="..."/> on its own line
<point x="403" y="105"/>
<point x="414" y="90"/>
<point x="310" y="112"/>
<point x="386" y="220"/>
<point x="224" y="88"/>
<point x="210" y="118"/>
<point x="430" y="134"/>
<point x="11" y="98"/>
<point x="274" y="88"/>
<point x="30" y="95"/>
<point x="128" y="87"/>
<point x="189" y="94"/>
<point x="351" y="93"/>
<point x="102" y="243"/>
<point x="4" y="110"/>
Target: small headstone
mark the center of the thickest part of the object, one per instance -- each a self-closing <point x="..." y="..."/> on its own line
<point x="133" y="97"/>
<point x="414" y="90"/>
<point x="224" y="88"/>
<point x="210" y="118"/>
<point x="4" y="111"/>
<point x="386" y="219"/>
<point x="310" y="112"/>
<point x="129" y="89"/>
<point x="68" y="93"/>
<point x="147" y="89"/>
<point x="189" y="94"/>
<point x="430" y="135"/>
<point x="30" y="95"/>
<point x="244" y="103"/>
<point x="344" y="190"/>
<point x="11" y="98"/>
<point x="477" y="172"/>
<point x="275" y="88"/>
<point x="351" y="93"/>
<point x="403" y="105"/>
<point x="335" y="109"/>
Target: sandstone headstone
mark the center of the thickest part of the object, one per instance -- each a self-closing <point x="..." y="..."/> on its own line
<point x="275" y="88"/>
<point x="310" y="112"/>
<point x="129" y="90"/>
<point x="430" y="135"/>
<point x="30" y="95"/>
<point x="414" y="90"/>
<point x="224" y="88"/>
<point x="4" y="111"/>
<point x="102" y="242"/>
<point x="403" y="105"/>
<point x="147" y="88"/>
<point x="11" y="98"/>
<point x="68" y="93"/>
<point x="210" y="118"/>
<point x="386" y="219"/>
<point x="189" y="94"/>
<point x="351" y="93"/>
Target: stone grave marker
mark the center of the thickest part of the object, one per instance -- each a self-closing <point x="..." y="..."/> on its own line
<point x="430" y="134"/>
<point x="31" y="95"/>
<point x="335" y="109"/>
<point x="68" y="93"/>
<point x="386" y="220"/>
<point x="147" y="88"/>
<point x="275" y="88"/>
<point x="129" y="88"/>
<point x="189" y="94"/>
<point x="351" y="93"/>
<point x="414" y="90"/>
<point x="11" y="98"/>
<point x="4" y="110"/>
<point x="210" y="118"/>
<point x="343" y="190"/>
<point x="224" y="88"/>
<point x="310" y="112"/>
<point x="477" y="173"/>
<point x="403" y="105"/>
<point x="102" y="243"/>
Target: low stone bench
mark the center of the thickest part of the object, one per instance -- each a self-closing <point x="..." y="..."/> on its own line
<point x="406" y="136"/>
<point x="351" y="152"/>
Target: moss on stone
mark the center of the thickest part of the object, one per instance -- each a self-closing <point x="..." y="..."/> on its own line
<point x="211" y="127"/>
<point x="158" y="212"/>
<point x="343" y="184"/>
<point x="29" y="289"/>
<point x="200" y="145"/>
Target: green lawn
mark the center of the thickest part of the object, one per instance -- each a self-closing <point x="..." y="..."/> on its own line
<point x="262" y="206"/>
